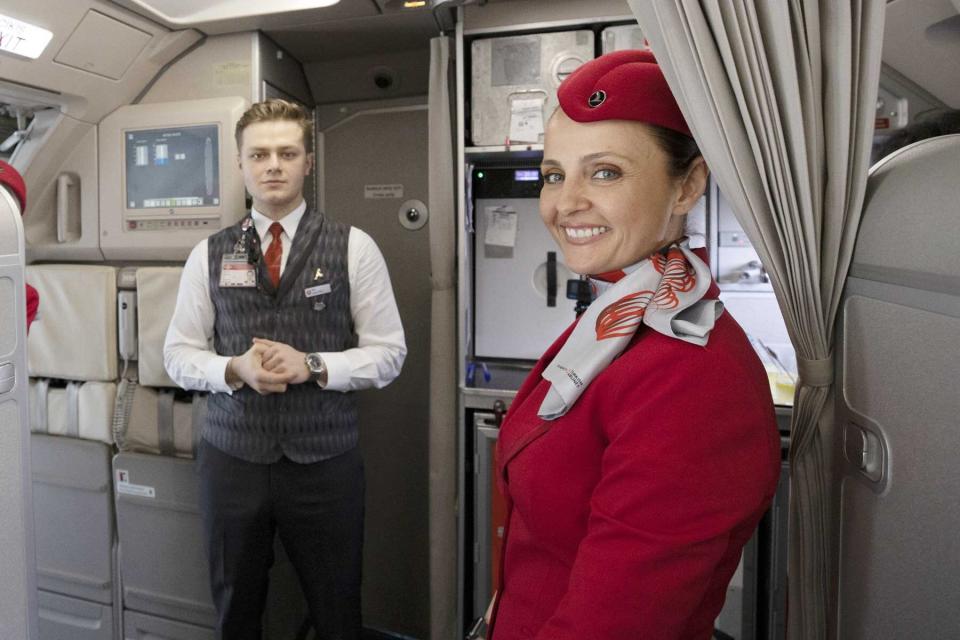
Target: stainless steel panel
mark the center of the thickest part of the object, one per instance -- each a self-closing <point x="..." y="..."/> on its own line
<point x="505" y="70"/>
<point x="485" y="433"/>
<point x="627" y="36"/>
<point x="489" y="507"/>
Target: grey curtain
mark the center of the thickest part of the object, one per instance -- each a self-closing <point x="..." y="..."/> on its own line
<point x="781" y="95"/>
<point x="443" y="347"/>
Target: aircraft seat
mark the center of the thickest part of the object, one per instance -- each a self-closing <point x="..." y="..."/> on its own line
<point x="896" y="409"/>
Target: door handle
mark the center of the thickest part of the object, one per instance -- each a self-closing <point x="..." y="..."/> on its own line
<point x="551" y="278"/>
<point x="865" y="450"/>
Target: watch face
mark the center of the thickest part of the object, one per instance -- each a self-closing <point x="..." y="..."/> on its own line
<point x="315" y="362"/>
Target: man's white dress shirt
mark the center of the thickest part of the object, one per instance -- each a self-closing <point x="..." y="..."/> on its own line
<point x="376" y="360"/>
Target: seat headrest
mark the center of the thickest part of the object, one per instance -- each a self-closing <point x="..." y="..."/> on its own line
<point x="910" y="214"/>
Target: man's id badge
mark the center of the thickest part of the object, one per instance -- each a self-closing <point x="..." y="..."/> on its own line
<point x="236" y="271"/>
<point x="319" y="290"/>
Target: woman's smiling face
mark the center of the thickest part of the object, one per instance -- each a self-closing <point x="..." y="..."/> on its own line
<point x="608" y="197"/>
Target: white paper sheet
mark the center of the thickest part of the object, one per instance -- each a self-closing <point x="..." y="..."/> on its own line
<point x="526" y="120"/>
<point x="501" y="226"/>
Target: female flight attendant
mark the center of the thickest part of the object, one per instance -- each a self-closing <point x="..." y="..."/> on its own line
<point x="11" y="179"/>
<point x="642" y="450"/>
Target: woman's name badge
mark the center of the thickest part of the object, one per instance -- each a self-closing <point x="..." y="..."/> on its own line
<point x="236" y="271"/>
<point x="319" y="290"/>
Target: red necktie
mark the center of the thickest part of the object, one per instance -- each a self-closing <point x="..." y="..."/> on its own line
<point x="274" y="253"/>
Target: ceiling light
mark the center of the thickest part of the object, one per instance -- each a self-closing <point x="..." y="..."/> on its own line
<point x="22" y="38"/>
<point x="186" y="12"/>
<point x="393" y="6"/>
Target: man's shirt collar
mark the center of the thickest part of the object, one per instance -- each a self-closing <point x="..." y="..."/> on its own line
<point x="289" y="222"/>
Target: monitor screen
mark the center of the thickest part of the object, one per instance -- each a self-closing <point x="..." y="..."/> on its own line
<point x="172" y="168"/>
<point x="526" y="175"/>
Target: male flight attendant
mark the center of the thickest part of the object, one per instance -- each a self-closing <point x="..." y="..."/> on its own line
<point x="280" y="316"/>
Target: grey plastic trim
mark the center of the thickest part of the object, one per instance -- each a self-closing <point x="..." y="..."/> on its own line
<point x="71" y="483"/>
<point x="167" y="600"/>
<point x="907" y="278"/>
<point x="73" y="409"/>
<point x="76" y="578"/>
<point x="546" y="25"/>
<point x="935" y="302"/>
<point x="872" y="427"/>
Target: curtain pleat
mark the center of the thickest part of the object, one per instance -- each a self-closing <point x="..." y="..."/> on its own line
<point x="443" y="343"/>
<point x="780" y="94"/>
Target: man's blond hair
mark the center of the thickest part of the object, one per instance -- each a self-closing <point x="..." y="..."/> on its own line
<point x="276" y="109"/>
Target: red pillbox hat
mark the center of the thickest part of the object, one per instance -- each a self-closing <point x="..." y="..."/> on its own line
<point x="622" y="85"/>
<point x="12" y="180"/>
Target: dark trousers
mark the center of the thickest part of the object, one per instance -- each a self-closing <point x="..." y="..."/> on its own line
<point x="317" y="509"/>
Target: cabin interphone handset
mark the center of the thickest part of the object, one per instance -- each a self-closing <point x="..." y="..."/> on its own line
<point x="127" y="324"/>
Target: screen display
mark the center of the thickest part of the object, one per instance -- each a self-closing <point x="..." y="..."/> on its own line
<point x="172" y="168"/>
<point x="526" y="175"/>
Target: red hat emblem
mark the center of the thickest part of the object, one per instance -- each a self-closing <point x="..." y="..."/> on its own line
<point x="597" y="98"/>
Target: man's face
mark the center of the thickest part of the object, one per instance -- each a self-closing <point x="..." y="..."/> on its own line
<point x="274" y="163"/>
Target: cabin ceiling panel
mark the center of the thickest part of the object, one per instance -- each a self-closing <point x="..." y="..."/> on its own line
<point x="85" y="51"/>
<point x="351" y="38"/>
<point x="922" y="41"/>
<point x="277" y="18"/>
<point x="80" y="93"/>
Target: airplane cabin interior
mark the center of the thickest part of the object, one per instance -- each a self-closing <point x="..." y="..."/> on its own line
<point x="428" y="133"/>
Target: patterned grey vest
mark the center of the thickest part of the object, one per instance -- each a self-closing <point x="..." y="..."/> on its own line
<point x="305" y="423"/>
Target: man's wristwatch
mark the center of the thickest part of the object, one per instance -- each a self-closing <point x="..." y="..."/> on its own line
<point x="317" y="368"/>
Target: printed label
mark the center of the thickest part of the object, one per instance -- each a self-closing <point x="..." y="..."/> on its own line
<point x="382" y="191"/>
<point x="126" y="487"/>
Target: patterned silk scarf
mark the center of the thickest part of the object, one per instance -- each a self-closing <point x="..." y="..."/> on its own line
<point x="663" y="292"/>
